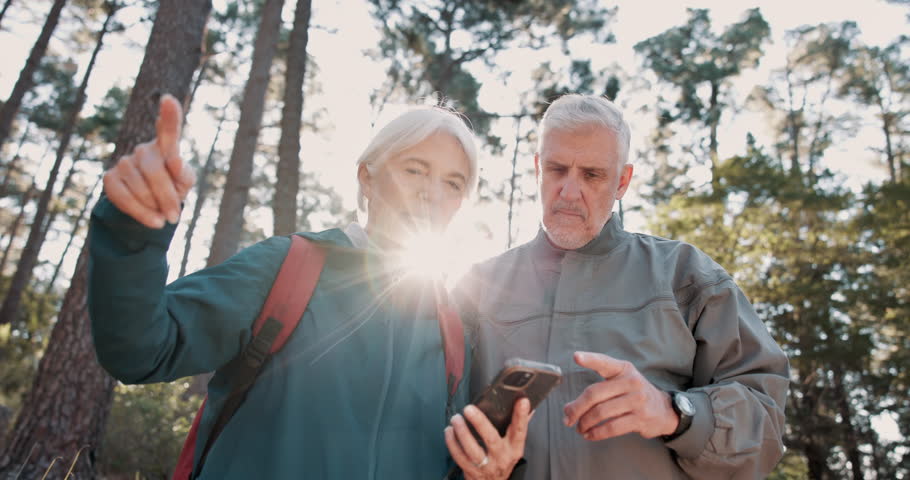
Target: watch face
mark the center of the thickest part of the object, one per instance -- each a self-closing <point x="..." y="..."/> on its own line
<point x="685" y="405"/>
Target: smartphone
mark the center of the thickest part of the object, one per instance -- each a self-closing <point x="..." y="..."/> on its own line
<point x="518" y="378"/>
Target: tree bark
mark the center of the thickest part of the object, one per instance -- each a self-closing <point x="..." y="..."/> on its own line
<point x="70" y="398"/>
<point x="27" y="76"/>
<point x="287" y="184"/>
<point x="237" y="186"/>
<point x="29" y="257"/>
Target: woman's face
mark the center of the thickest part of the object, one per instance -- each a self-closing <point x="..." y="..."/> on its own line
<point x="417" y="190"/>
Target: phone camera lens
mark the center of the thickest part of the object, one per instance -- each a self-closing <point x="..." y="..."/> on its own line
<point x="519" y="379"/>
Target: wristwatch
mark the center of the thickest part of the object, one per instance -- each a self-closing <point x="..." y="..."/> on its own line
<point x="685" y="408"/>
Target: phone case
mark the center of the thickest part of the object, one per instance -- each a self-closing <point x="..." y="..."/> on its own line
<point x="518" y="378"/>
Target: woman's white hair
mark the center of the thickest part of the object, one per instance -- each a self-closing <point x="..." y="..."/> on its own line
<point x="573" y="111"/>
<point x="411" y="128"/>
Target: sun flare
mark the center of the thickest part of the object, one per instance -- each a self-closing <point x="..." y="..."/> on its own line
<point x="424" y="255"/>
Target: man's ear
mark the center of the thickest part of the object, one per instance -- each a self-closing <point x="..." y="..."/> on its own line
<point x="625" y="178"/>
<point x="537" y="166"/>
<point x="365" y="179"/>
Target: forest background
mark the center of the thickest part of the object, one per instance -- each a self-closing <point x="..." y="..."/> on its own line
<point x="775" y="137"/>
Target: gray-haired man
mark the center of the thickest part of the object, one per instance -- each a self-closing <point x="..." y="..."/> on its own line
<point x="669" y="372"/>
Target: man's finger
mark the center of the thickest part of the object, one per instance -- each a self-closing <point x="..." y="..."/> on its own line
<point x="592" y="396"/>
<point x="606" y="410"/>
<point x="605" y="365"/>
<point x="614" y="427"/>
<point x="168" y="126"/>
<point x="118" y="193"/>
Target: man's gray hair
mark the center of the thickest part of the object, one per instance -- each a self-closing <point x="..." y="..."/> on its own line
<point x="573" y="111"/>
<point x="411" y="128"/>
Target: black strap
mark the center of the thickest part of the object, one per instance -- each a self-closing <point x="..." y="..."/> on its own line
<point x="244" y="369"/>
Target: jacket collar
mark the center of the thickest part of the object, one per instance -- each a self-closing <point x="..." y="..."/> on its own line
<point x="611" y="236"/>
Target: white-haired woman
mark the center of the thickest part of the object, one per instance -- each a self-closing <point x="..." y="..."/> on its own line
<point x="359" y="390"/>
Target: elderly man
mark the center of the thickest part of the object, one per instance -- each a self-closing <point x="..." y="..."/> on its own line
<point x="668" y="371"/>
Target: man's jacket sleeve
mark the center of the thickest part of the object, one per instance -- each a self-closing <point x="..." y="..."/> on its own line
<point x="145" y="331"/>
<point x="740" y="383"/>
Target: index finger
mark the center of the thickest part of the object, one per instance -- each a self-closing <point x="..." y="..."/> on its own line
<point x="605" y="365"/>
<point x="169" y="126"/>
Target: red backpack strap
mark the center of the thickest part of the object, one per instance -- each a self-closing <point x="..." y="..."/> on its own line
<point x="292" y="290"/>
<point x="281" y="313"/>
<point x="452" y="333"/>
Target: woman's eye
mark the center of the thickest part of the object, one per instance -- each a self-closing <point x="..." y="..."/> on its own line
<point x="455" y="185"/>
<point x="413" y="171"/>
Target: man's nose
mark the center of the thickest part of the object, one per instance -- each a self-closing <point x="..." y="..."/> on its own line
<point x="571" y="189"/>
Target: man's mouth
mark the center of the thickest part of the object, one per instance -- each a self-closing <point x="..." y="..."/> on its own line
<point x="572" y="213"/>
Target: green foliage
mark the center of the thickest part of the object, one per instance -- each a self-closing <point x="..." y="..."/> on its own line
<point x="146" y="429"/>
<point x="52" y="98"/>
<point x="431" y="44"/>
<point x="807" y="271"/>
<point x="699" y="64"/>
<point x="692" y="55"/>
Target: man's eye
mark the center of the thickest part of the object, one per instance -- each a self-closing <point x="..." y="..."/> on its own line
<point x="455" y="185"/>
<point x="413" y="171"/>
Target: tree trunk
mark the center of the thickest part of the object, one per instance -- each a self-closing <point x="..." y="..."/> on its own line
<point x="512" y="179"/>
<point x="889" y="148"/>
<point x="851" y="436"/>
<point x="14" y="162"/>
<point x="14" y="228"/>
<point x="202" y="191"/>
<point x="237" y="186"/>
<point x="284" y="205"/>
<point x="75" y="231"/>
<point x="6" y="5"/>
<point x="70" y="398"/>
<point x="713" y="121"/>
<point x="67" y="183"/>
<point x="29" y="257"/>
<point x="27" y="76"/>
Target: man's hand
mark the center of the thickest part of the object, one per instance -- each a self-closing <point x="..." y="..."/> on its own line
<point x="624" y="402"/>
<point x="150" y="183"/>
<point x="502" y="453"/>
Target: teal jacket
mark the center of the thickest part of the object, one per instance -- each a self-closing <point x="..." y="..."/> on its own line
<point x="357" y="392"/>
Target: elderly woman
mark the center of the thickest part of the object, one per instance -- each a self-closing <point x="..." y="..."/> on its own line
<point x="359" y="390"/>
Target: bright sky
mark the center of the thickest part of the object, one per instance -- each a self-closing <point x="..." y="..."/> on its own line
<point x="347" y="78"/>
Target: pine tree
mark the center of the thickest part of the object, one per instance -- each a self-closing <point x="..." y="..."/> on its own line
<point x="66" y="409"/>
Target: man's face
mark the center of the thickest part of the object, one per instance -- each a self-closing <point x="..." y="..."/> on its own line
<point x="417" y="190"/>
<point x="579" y="179"/>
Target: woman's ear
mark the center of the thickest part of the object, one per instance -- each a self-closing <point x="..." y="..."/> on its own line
<point x="365" y="179"/>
